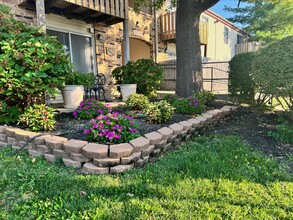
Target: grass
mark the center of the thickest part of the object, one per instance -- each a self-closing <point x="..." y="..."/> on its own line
<point x="215" y="177"/>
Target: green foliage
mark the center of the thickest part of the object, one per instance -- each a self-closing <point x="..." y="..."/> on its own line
<point x="4" y="10"/>
<point x="8" y="114"/>
<point x="186" y="106"/>
<point x="158" y="112"/>
<point x="265" y="20"/>
<point x="205" y="97"/>
<point x="208" y="178"/>
<point x="78" y="78"/>
<point x="31" y="63"/>
<point x="137" y="101"/>
<point x="273" y="71"/>
<point x="91" y="108"/>
<point x="112" y="128"/>
<point x="283" y="132"/>
<point x="241" y="84"/>
<point x="38" y="117"/>
<point x="144" y="72"/>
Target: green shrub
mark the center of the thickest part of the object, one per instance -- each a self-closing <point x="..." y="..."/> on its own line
<point x="78" y="78"/>
<point x="137" y="101"/>
<point x="158" y="112"/>
<point x="31" y="63"/>
<point x="188" y="106"/>
<point x="144" y="72"/>
<point x="283" y="133"/>
<point x="91" y="108"/>
<point x="241" y="84"/>
<point x="112" y="128"/>
<point x="8" y="114"/>
<point x="205" y="97"/>
<point x="38" y="117"/>
<point x="273" y="72"/>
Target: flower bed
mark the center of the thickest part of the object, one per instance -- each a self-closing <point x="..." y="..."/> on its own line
<point x="95" y="158"/>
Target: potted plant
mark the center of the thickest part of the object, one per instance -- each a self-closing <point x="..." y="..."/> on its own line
<point x="73" y="91"/>
<point x="125" y="78"/>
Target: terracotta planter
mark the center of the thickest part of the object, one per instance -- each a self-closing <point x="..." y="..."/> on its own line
<point x="72" y="96"/>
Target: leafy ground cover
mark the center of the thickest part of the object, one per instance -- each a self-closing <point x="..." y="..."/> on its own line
<point x="212" y="177"/>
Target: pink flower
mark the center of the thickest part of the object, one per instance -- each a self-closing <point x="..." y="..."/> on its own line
<point x="45" y="118"/>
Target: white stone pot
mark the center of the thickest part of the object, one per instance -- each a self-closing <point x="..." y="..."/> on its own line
<point x="72" y="96"/>
<point x="127" y="90"/>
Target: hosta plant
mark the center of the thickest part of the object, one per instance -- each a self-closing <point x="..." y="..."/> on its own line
<point x="38" y="117"/>
<point x="113" y="128"/>
<point x="91" y="108"/>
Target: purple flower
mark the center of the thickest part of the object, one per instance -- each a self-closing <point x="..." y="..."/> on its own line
<point x="107" y="122"/>
<point x="86" y="131"/>
<point x="100" y="111"/>
<point x="100" y="135"/>
<point x="117" y="136"/>
<point x="74" y="113"/>
<point x="95" y="125"/>
<point x="178" y="106"/>
<point x="132" y="130"/>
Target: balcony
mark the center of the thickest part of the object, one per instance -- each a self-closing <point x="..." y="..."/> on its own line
<point x="168" y="28"/>
<point x="92" y="11"/>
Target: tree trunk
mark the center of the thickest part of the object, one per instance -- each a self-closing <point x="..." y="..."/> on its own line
<point x="189" y="67"/>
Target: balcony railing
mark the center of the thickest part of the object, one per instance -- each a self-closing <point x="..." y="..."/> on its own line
<point x="93" y="11"/>
<point x="168" y="28"/>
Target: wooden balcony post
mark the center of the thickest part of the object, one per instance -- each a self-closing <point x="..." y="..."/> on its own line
<point x="126" y="48"/>
<point x="41" y="18"/>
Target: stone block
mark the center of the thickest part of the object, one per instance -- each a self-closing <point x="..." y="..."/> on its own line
<point x="12" y="141"/>
<point x="183" y="133"/>
<point x="195" y="123"/>
<point x="208" y="116"/>
<point x="191" y="131"/>
<point x="22" y="135"/>
<point x="106" y="162"/>
<point x="186" y="125"/>
<point x="3" y="144"/>
<point x="98" y="151"/>
<point x="177" y="128"/>
<point x="10" y="132"/>
<point x="79" y="157"/>
<point x="3" y="137"/>
<point x="29" y="146"/>
<point x="141" y="162"/>
<point x="120" y="150"/>
<point x="201" y="119"/>
<point x="156" y="153"/>
<point x="50" y="158"/>
<point x="2" y="129"/>
<point x="172" y="139"/>
<point x="166" y="132"/>
<point x="43" y="149"/>
<point x="55" y="142"/>
<point x="148" y="151"/>
<point x="154" y="137"/>
<point x="41" y="139"/>
<point x="60" y="153"/>
<point x="71" y="163"/>
<point x="89" y="168"/>
<point x="121" y="168"/>
<point x="166" y="147"/>
<point x="161" y="144"/>
<point x="130" y="159"/>
<point x="35" y="153"/>
<point x="140" y="144"/>
<point x="74" y="146"/>
<point x="15" y="147"/>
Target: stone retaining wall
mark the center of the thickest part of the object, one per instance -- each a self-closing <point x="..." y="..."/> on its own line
<point x="95" y="158"/>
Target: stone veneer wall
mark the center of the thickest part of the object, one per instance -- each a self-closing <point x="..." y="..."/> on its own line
<point x="95" y="158"/>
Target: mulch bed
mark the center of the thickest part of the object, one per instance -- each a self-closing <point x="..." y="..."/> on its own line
<point x="247" y="123"/>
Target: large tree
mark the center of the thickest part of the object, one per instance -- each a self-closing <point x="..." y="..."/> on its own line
<point x="265" y="20"/>
<point x="189" y="66"/>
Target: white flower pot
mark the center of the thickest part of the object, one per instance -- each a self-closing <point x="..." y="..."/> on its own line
<point x="72" y="96"/>
<point x="127" y="90"/>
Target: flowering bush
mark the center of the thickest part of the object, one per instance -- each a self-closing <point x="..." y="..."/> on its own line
<point x="187" y="106"/>
<point x="91" y="108"/>
<point x="112" y="128"/>
<point x="158" y="112"/>
<point x="205" y="97"/>
<point x="137" y="101"/>
<point x="38" y="117"/>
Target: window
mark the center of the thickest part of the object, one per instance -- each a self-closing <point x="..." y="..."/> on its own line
<point x="240" y="39"/>
<point x="226" y="35"/>
<point x="79" y="47"/>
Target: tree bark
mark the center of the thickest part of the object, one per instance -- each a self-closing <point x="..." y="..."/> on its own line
<point x="189" y="66"/>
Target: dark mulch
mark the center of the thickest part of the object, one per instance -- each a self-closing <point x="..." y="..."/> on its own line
<point x="247" y="123"/>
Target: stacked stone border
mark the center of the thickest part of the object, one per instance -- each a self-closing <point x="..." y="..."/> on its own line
<point x="95" y="158"/>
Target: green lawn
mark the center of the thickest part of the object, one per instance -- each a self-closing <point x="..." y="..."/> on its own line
<point x="216" y="177"/>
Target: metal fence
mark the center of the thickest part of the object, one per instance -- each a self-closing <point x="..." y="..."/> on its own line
<point x="215" y="76"/>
